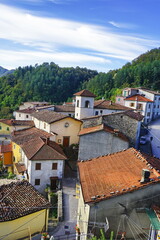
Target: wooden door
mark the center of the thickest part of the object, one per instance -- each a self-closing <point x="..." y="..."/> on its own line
<point x="66" y="141"/>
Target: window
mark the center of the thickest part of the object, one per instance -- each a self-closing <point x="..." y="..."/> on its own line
<point x="149" y="105"/>
<point x="101" y="111"/>
<point x="70" y="115"/>
<point x="37" y="181"/>
<point x="87" y="104"/>
<point x="0" y="127"/>
<point x="38" y="166"/>
<point x="59" y="141"/>
<point x="96" y="112"/>
<point x="77" y="103"/>
<point x="7" y="128"/>
<point x="19" y="115"/>
<point x="54" y="166"/>
<point x="44" y="125"/>
<point x="155" y="99"/>
<point x="119" y="99"/>
<point x="140" y="106"/>
<point x="131" y="104"/>
<point x="148" y="114"/>
<point x="26" y="116"/>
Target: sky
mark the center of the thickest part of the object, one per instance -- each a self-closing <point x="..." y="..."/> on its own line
<point x="97" y="34"/>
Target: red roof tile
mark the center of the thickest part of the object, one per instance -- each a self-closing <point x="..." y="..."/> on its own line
<point x="104" y="104"/>
<point x="20" y="167"/>
<point x="49" y="116"/>
<point x="138" y="98"/>
<point x="105" y="128"/>
<point x="13" y="122"/>
<point x="19" y="199"/>
<point x="85" y="93"/>
<point x="6" y="148"/>
<point x="25" y="135"/>
<point x="113" y="175"/>
<point x="43" y="149"/>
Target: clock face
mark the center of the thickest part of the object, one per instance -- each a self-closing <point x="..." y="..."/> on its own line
<point x="66" y="124"/>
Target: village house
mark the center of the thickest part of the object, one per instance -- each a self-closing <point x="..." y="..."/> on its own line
<point x="64" y="128"/>
<point x="22" y="136"/>
<point x="44" y="162"/>
<point x="24" y="114"/>
<point x="7" y="126"/>
<point x="145" y="101"/>
<point x="115" y="191"/>
<point x="127" y="122"/>
<point x="23" y="211"/>
<point x="100" y="140"/>
<point x="85" y="106"/>
<point x="27" y="105"/>
<point x="6" y="158"/>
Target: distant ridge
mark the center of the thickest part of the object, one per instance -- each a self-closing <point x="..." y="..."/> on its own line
<point x="4" y="71"/>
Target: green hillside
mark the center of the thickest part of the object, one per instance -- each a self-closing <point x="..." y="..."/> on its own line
<point x="142" y="71"/>
<point x="46" y="82"/>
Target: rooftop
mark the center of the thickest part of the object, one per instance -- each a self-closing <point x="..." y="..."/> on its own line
<point x="19" y="199"/>
<point x="48" y="116"/>
<point x="85" y="93"/>
<point x="43" y="149"/>
<point x="27" y="110"/>
<point x="105" y="128"/>
<point x="22" y="136"/>
<point x="104" y="104"/>
<point x="13" y="122"/>
<point x="64" y="108"/>
<point x="6" y="148"/>
<point x="138" y="98"/>
<point x="114" y="174"/>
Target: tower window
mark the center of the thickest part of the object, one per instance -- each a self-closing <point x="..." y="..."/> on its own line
<point x="86" y="104"/>
<point x="77" y="103"/>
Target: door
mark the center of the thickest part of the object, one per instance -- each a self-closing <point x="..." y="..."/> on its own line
<point x="66" y="141"/>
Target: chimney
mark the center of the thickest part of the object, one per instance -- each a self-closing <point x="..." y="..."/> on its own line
<point x="145" y="176"/>
<point x="46" y="141"/>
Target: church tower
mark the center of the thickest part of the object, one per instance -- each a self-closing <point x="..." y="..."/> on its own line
<point x="84" y="104"/>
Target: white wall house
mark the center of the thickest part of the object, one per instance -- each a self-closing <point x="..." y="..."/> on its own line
<point x="44" y="161"/>
<point x="24" y="114"/>
<point x="145" y="101"/>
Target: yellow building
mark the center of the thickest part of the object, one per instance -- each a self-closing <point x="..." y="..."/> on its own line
<point x="64" y="128"/>
<point x="26" y="214"/>
<point x="9" y="125"/>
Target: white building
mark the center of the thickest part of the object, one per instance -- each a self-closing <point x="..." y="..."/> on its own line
<point x="145" y="101"/>
<point x="86" y="106"/>
<point x="44" y="161"/>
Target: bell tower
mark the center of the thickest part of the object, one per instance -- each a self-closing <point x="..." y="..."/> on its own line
<point x="84" y="105"/>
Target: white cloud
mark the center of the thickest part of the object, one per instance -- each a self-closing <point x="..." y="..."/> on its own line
<point x="47" y="37"/>
<point x="122" y="25"/>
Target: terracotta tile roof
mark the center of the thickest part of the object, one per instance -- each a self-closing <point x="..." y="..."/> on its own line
<point x="43" y="149"/>
<point x="13" y="122"/>
<point x="85" y="93"/>
<point x="138" y="98"/>
<point x="19" y="199"/>
<point x="114" y="174"/>
<point x="48" y="116"/>
<point x="6" y="148"/>
<point x="20" y="167"/>
<point x="135" y="115"/>
<point x="27" y="110"/>
<point x="22" y="136"/>
<point x="105" y="128"/>
<point x="44" y="107"/>
<point x="64" y="108"/>
<point x="103" y="104"/>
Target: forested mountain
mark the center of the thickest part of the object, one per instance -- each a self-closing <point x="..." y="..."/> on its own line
<point x="143" y="71"/>
<point x="46" y="82"/>
<point x="49" y="82"/>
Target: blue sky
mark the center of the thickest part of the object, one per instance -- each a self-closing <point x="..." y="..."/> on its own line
<point x="97" y="34"/>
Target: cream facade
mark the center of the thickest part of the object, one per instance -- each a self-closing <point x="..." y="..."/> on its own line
<point x="66" y="129"/>
<point x="25" y="226"/>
